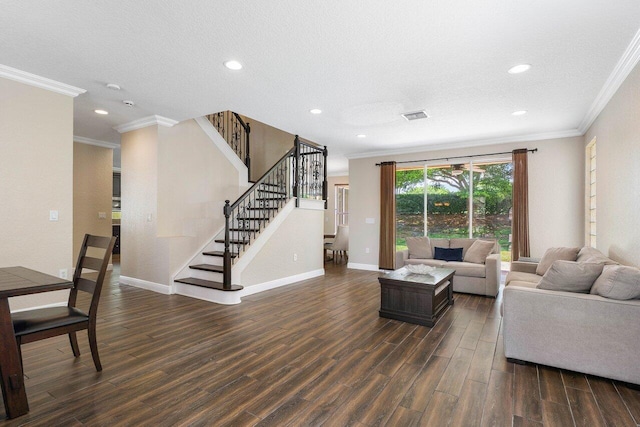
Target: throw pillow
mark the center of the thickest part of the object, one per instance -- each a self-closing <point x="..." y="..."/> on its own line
<point x="570" y="276"/>
<point x="618" y="282"/>
<point x="419" y="247"/>
<point x="448" y="254"/>
<point x="589" y="254"/>
<point x="479" y="251"/>
<point x="555" y="254"/>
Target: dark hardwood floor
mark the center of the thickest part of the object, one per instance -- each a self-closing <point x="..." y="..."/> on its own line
<point x="310" y="354"/>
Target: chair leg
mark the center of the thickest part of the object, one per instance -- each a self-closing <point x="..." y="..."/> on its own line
<point x="19" y="342"/>
<point x="74" y="344"/>
<point x="93" y="344"/>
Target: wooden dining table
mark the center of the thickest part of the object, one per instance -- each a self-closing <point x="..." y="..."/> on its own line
<point x="17" y="281"/>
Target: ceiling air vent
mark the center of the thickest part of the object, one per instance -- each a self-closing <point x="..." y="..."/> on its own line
<point x="416" y="115"/>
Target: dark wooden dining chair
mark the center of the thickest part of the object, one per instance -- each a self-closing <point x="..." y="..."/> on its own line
<point x="43" y="323"/>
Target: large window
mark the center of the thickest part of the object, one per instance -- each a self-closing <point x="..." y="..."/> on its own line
<point x="456" y="200"/>
<point x="342" y="205"/>
<point x="591" y="194"/>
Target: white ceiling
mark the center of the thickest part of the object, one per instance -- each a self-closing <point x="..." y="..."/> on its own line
<point x="361" y="62"/>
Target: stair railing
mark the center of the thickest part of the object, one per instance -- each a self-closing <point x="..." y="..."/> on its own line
<point x="300" y="173"/>
<point x="236" y="132"/>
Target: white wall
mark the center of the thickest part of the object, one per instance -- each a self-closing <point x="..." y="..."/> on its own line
<point x="617" y="130"/>
<point x="143" y="255"/>
<point x="36" y="175"/>
<point x="300" y="234"/>
<point x="92" y="192"/>
<point x="555" y="195"/>
<point x="177" y="178"/>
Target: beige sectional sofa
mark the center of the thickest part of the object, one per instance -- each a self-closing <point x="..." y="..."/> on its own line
<point x="475" y="275"/>
<point x="578" y="330"/>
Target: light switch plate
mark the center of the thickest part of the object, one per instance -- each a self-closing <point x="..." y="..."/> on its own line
<point x="53" y="215"/>
<point x="370" y="220"/>
<point x="102" y="215"/>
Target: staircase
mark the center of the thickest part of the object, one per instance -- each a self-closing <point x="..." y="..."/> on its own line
<point x="300" y="173"/>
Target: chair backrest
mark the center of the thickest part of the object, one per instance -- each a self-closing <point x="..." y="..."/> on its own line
<point x="93" y="287"/>
<point x="341" y="242"/>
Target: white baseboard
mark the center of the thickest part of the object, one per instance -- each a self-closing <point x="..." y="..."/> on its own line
<point x="368" y="267"/>
<point x="261" y="287"/>
<point x="143" y="284"/>
<point x="206" y="294"/>
<point x="55" y="304"/>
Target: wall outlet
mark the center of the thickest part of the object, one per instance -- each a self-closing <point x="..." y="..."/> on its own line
<point x="53" y="215"/>
<point x="295" y="257"/>
<point x="102" y="215"/>
<point x="366" y="250"/>
<point x="149" y="217"/>
<point x="63" y="273"/>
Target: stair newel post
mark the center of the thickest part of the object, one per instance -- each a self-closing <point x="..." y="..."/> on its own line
<point x="226" y="280"/>
<point x="247" y="160"/>
<point x="296" y="171"/>
<point x="325" y="184"/>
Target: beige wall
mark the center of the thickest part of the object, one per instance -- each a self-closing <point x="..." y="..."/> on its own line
<point x="194" y="180"/>
<point x="300" y="234"/>
<point x="142" y="255"/>
<point x="174" y="183"/>
<point x="617" y="130"/>
<point x="92" y="192"/>
<point x="329" y="213"/>
<point x="555" y="195"/>
<point x="36" y="176"/>
<point x="268" y="145"/>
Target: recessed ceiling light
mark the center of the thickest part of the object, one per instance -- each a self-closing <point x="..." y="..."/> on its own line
<point x="104" y="112"/>
<point x="233" y="65"/>
<point x="519" y="68"/>
<point x="315" y="111"/>
<point x="519" y="113"/>
<point x="113" y="86"/>
<point x="361" y="135"/>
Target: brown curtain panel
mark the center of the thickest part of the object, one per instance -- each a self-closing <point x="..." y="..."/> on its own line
<point x="387" y="216"/>
<point x="520" y="211"/>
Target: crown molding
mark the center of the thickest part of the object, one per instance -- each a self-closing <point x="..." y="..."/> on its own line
<point x="625" y="65"/>
<point x="96" y="142"/>
<point x="146" y="122"/>
<point x="453" y="144"/>
<point x="38" y="81"/>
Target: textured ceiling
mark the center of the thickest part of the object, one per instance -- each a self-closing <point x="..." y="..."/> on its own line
<point x="361" y="62"/>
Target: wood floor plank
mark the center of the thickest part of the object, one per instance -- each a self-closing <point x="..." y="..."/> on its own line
<point x="526" y="392"/>
<point x="404" y="417"/>
<point x="556" y="415"/>
<point x="480" y="367"/>
<point x="611" y="405"/>
<point x="468" y="411"/>
<point x="439" y="411"/>
<point x="499" y="400"/>
<point x="389" y="398"/>
<point x="419" y="394"/>
<point x="523" y="422"/>
<point x="313" y="354"/>
<point x="631" y="398"/>
<point x="584" y="408"/>
<point x="551" y="385"/>
<point x="456" y="372"/>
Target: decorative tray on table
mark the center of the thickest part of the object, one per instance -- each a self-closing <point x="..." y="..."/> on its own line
<point x="419" y="268"/>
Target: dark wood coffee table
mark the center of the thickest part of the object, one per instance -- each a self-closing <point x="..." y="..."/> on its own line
<point x="416" y="298"/>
